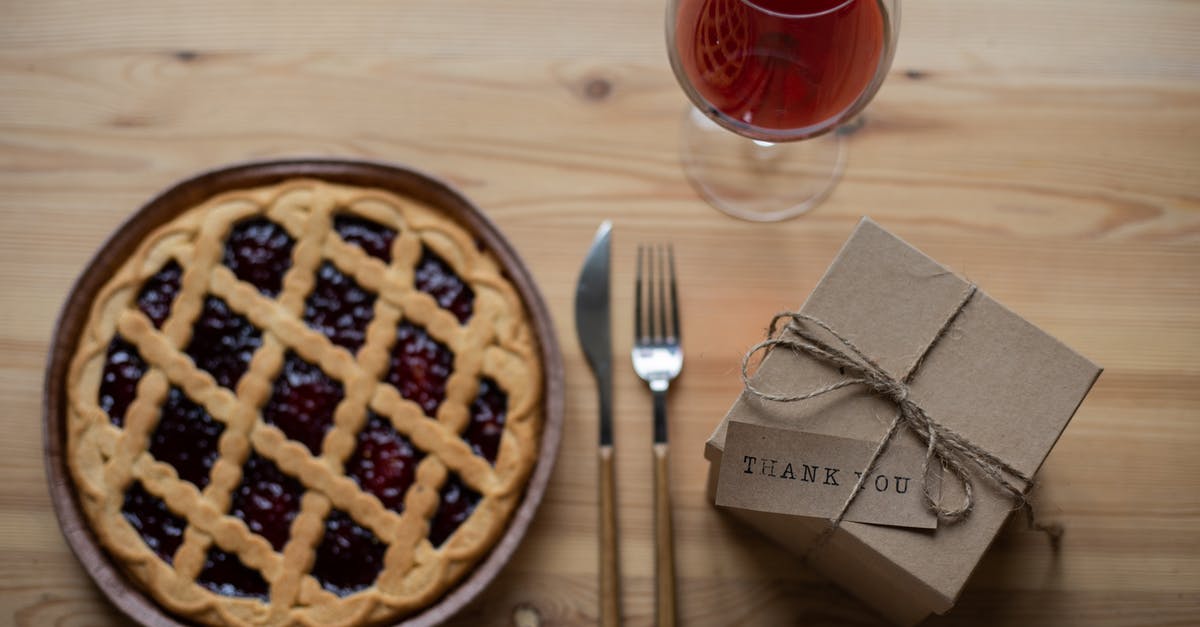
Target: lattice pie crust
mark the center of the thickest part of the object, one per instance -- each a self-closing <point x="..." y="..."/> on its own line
<point x="116" y="473"/>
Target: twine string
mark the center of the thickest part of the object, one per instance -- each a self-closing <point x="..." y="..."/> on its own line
<point x="952" y="451"/>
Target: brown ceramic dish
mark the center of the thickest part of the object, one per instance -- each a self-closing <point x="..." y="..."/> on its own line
<point x="110" y="575"/>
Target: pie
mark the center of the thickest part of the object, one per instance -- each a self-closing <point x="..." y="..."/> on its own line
<point x="304" y="403"/>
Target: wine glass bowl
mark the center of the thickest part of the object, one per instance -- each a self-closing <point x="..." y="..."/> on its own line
<point x="774" y="72"/>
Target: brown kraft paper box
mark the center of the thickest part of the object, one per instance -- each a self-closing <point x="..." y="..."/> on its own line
<point x="992" y="377"/>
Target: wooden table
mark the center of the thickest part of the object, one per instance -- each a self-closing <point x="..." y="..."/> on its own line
<point x="1048" y="150"/>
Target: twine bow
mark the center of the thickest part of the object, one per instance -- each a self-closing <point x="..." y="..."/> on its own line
<point x="953" y="451"/>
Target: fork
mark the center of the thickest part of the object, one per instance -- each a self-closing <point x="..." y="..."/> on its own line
<point x="657" y="359"/>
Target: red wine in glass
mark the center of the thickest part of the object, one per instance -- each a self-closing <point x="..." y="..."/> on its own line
<point x="780" y="70"/>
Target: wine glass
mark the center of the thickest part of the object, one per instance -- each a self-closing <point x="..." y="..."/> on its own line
<point x="775" y="72"/>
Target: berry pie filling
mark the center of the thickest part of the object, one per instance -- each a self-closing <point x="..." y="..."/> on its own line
<point x="486" y="427"/>
<point x="267" y="500"/>
<point x="419" y="368"/>
<point x="375" y="239"/>
<point x="302" y="402"/>
<point x="259" y="252"/>
<point x="159" y="293"/>
<point x="160" y="529"/>
<point x="434" y="277"/>
<point x="225" y="574"/>
<point x="223" y="342"/>
<point x="384" y="462"/>
<point x="349" y="557"/>
<point x="186" y="438"/>
<point x="456" y="504"/>
<point x="123" y="368"/>
<point x="339" y="308"/>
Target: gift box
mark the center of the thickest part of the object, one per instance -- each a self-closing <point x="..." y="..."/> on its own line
<point x="889" y="351"/>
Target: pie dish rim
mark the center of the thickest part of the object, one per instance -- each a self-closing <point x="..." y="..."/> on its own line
<point x="402" y="180"/>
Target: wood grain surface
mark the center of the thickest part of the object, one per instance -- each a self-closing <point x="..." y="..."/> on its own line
<point x="1050" y="151"/>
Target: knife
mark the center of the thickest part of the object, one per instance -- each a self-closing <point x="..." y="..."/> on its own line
<point x="593" y="325"/>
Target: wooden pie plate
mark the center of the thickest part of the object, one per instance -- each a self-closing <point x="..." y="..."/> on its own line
<point x="190" y="192"/>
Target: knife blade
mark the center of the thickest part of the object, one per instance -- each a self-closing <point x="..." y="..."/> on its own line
<point x="593" y="325"/>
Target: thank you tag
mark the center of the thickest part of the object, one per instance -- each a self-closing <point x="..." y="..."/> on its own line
<point x="784" y="471"/>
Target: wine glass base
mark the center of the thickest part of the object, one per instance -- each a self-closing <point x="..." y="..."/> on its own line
<point x="759" y="181"/>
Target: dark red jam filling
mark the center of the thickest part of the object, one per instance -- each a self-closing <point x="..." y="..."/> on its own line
<point x="302" y="402"/>
<point x="267" y="500"/>
<point x="123" y="368"/>
<point x="225" y="574"/>
<point x="186" y="438"/>
<point x="374" y="239"/>
<point x="457" y="503"/>
<point x="161" y="530"/>
<point x="487" y="420"/>
<point x="223" y="342"/>
<point x="258" y="252"/>
<point x="159" y="292"/>
<point x="434" y="277"/>
<point x="384" y="463"/>
<point x="349" y="556"/>
<point x="419" y="367"/>
<point x="339" y="308"/>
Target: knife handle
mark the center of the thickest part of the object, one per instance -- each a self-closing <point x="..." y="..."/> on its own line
<point x="664" y="542"/>
<point x="610" y="589"/>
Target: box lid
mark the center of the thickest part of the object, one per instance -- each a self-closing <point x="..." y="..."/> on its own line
<point x="993" y="378"/>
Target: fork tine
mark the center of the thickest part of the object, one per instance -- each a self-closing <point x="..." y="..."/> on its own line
<point x="652" y="332"/>
<point x="662" y="295"/>
<point x="655" y="296"/>
<point x="638" y="335"/>
<point x="652" y="256"/>
<point x="676" y="330"/>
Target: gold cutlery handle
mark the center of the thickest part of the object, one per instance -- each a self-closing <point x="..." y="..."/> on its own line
<point x="664" y="541"/>
<point x="610" y="589"/>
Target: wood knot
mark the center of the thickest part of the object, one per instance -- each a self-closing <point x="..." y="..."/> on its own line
<point x="597" y="89"/>
<point x="186" y="56"/>
<point x="916" y="74"/>
<point x="131" y="120"/>
<point x="526" y="615"/>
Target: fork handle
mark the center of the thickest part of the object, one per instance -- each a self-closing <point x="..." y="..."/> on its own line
<point x="610" y="590"/>
<point x="664" y="541"/>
